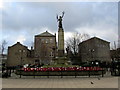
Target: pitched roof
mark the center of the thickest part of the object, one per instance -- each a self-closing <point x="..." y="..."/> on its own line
<point x="45" y="34"/>
<point x="18" y="43"/>
<point x="94" y="38"/>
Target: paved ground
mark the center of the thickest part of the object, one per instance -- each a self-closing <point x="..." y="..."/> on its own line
<point x="65" y="82"/>
<point x="107" y="81"/>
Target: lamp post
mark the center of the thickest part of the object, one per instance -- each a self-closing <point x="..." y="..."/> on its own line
<point x="21" y="54"/>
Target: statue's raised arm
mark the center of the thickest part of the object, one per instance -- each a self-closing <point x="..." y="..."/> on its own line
<point x="59" y="19"/>
<point x="63" y="14"/>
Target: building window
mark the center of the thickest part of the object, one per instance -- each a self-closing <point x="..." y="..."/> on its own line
<point x="51" y="54"/>
<point x="36" y="60"/>
<point x="42" y="40"/>
<point x="47" y="41"/>
<point x="51" y="40"/>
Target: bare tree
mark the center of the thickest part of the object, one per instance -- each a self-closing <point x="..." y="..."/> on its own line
<point x="3" y="46"/>
<point x="32" y="43"/>
<point x="74" y="41"/>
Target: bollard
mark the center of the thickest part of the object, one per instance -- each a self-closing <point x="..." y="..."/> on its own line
<point x="48" y="75"/>
<point x="119" y="71"/>
<point x="10" y="73"/>
<point x="61" y="75"/>
<point x="115" y="72"/>
<point x="20" y="73"/>
<point x="34" y="73"/>
<point x="75" y="74"/>
<point x="102" y="73"/>
<point x="89" y="73"/>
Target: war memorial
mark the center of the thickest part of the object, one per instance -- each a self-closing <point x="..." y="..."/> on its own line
<point x="57" y="72"/>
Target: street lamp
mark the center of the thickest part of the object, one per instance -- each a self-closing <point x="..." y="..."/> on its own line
<point x="21" y="54"/>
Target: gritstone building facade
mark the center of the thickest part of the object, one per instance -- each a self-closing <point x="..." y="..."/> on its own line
<point x="94" y="49"/>
<point x="45" y="49"/>
<point x="19" y="54"/>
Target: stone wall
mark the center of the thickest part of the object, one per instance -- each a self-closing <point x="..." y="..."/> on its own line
<point x="94" y="49"/>
<point x="18" y="55"/>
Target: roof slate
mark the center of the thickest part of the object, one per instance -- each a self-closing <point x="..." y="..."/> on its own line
<point x="45" y="34"/>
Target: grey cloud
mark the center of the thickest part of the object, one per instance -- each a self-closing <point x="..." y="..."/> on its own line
<point x="35" y="15"/>
<point x="32" y="17"/>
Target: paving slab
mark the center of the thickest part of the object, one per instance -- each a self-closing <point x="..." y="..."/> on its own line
<point x="58" y="82"/>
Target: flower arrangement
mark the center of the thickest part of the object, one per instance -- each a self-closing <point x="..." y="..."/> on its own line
<point x="63" y="69"/>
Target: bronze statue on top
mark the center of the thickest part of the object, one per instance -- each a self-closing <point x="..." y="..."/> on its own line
<point x="60" y="19"/>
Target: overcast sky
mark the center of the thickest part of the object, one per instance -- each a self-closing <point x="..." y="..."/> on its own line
<point x="22" y="21"/>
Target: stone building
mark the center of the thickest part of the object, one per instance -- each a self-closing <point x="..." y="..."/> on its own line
<point x="45" y="47"/>
<point x="94" y="49"/>
<point x="115" y="54"/>
<point x="19" y="54"/>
